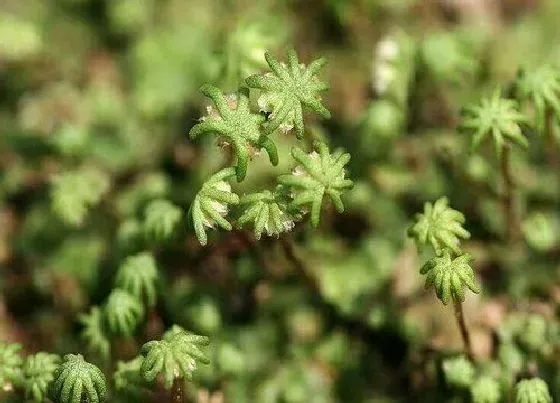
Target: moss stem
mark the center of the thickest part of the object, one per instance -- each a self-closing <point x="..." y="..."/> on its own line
<point x="460" y="317"/>
<point x="552" y="150"/>
<point x="508" y="201"/>
<point x="177" y="395"/>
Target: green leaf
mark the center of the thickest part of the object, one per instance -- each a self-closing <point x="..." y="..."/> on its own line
<point x="175" y="356"/>
<point x="138" y="276"/>
<point x="160" y="219"/>
<point x="123" y="312"/>
<point x="210" y="205"/>
<point x="77" y="380"/>
<point x="268" y="213"/>
<point x="533" y="390"/>
<point x="450" y="276"/>
<point x="234" y="121"/>
<point x="38" y="373"/>
<point x="10" y="364"/>
<point x="95" y="334"/>
<point x="74" y="193"/>
<point x="319" y="173"/>
<point x="439" y="225"/>
<point x="287" y="89"/>
<point x="496" y="117"/>
<point x="541" y="87"/>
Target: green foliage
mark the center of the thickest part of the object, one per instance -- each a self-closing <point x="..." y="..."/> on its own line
<point x="95" y="333"/>
<point x="532" y="390"/>
<point x="160" y="220"/>
<point x="533" y="333"/>
<point x="76" y="380"/>
<point x="510" y="357"/>
<point x="10" y="364"/>
<point x="267" y="211"/>
<point x="540" y="87"/>
<point x="175" y="356"/>
<point x="246" y="45"/>
<point x="347" y="279"/>
<point x="441" y="226"/>
<point x="130" y="16"/>
<point x="459" y="372"/>
<point x="38" y="373"/>
<point x="450" y="276"/>
<point x="497" y="117"/>
<point x="107" y="90"/>
<point x="541" y="231"/>
<point x="123" y="312"/>
<point x="234" y="121"/>
<point x="295" y="382"/>
<point x="19" y="39"/>
<point x="286" y="90"/>
<point x="486" y="390"/>
<point x="70" y="140"/>
<point x="170" y="62"/>
<point x="132" y="199"/>
<point x="318" y="174"/>
<point x="138" y="275"/>
<point x="74" y="193"/>
<point x="383" y="120"/>
<point x="210" y="205"/>
<point x="231" y="359"/>
<point x="448" y="58"/>
<point x="128" y="379"/>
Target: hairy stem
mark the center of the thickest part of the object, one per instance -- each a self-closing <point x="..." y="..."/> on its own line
<point x="460" y="317"/>
<point x="177" y="391"/>
<point x="508" y="201"/>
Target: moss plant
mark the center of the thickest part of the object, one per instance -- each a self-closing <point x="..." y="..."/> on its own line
<point x="192" y="211"/>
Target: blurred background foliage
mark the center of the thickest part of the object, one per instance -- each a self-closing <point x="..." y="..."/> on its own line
<point x="96" y="98"/>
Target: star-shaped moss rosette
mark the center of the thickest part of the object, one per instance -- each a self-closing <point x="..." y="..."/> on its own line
<point x="234" y="121"/>
<point x="541" y="87"/>
<point x="497" y="117"/>
<point x="94" y="333"/>
<point x="74" y="193"/>
<point x="449" y="277"/>
<point x="175" y="356"/>
<point x="138" y="275"/>
<point x="10" y="364"/>
<point x="533" y="390"/>
<point x="123" y="312"/>
<point x="287" y="89"/>
<point x="161" y="217"/>
<point x="38" y="373"/>
<point x="319" y="173"/>
<point x="210" y="205"/>
<point x="76" y="380"/>
<point x="268" y="213"/>
<point x="439" y="225"/>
